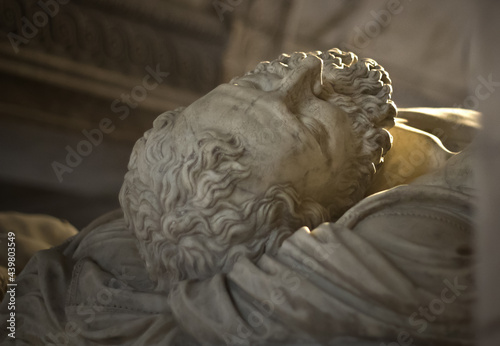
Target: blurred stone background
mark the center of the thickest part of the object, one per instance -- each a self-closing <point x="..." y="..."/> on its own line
<point x="72" y="70"/>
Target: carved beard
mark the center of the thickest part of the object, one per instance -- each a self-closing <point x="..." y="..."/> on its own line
<point x="258" y="226"/>
<point x="186" y="226"/>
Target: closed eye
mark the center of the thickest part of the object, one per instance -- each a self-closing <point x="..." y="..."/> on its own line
<point x="319" y="132"/>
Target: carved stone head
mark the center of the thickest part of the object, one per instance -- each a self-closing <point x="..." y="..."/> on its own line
<point x="292" y="143"/>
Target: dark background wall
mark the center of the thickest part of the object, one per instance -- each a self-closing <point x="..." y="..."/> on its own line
<point x="64" y="68"/>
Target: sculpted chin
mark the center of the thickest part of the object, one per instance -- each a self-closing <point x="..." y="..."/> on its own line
<point x="293" y="143"/>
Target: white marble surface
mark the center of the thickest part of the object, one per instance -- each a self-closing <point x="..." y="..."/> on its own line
<point x="211" y="248"/>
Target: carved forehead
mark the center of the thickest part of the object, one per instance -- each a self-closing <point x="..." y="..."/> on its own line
<point x="252" y="115"/>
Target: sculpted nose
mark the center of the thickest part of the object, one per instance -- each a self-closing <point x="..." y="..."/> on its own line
<point x="304" y="80"/>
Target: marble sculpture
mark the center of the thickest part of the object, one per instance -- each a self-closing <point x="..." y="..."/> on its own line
<point x="272" y="211"/>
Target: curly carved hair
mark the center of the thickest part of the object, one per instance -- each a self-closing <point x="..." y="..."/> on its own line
<point x="362" y="89"/>
<point x="178" y="207"/>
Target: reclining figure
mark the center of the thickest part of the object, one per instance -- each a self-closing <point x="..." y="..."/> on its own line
<point x="244" y="221"/>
